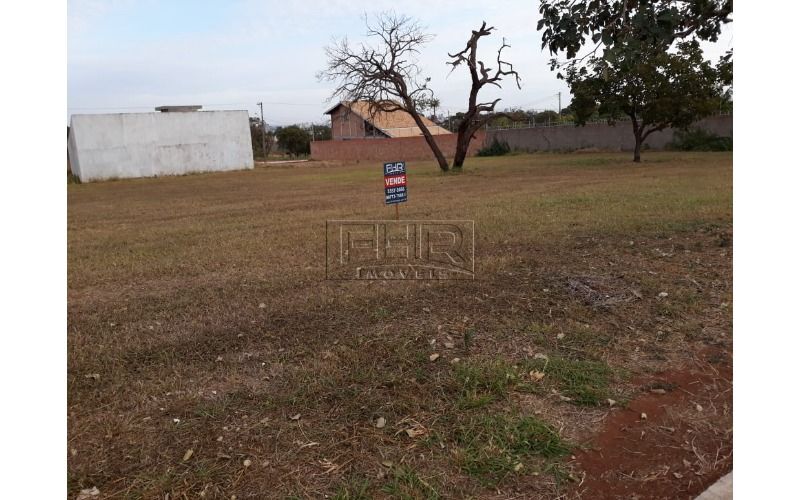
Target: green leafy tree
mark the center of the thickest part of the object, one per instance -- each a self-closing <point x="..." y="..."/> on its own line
<point x="455" y="121"/>
<point x="655" y="89"/>
<point x="294" y="140"/>
<point x="435" y="103"/>
<point x="650" y="66"/>
<point x="547" y="116"/>
<point x="320" y="132"/>
<point x="257" y="137"/>
<point x="431" y="103"/>
<point x="567" y="113"/>
<point x="725" y="71"/>
<point x="501" y="120"/>
<point x="568" y="26"/>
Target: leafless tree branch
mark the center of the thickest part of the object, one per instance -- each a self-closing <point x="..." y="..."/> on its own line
<point x="385" y="74"/>
<point x="477" y="113"/>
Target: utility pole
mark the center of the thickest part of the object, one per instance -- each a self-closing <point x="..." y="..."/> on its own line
<point x="263" y="131"/>
<point x="559" y="106"/>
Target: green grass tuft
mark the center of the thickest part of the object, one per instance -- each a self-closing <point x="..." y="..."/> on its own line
<point x="481" y="382"/>
<point x="492" y="446"/>
<point x="405" y="484"/>
<point x="353" y="489"/>
<point x="585" y="382"/>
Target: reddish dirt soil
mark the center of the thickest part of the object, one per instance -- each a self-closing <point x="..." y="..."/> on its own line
<point x="673" y="452"/>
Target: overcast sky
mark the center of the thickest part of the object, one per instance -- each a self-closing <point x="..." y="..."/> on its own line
<point x="133" y="55"/>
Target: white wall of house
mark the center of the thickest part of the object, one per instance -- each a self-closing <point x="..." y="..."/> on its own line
<point x="125" y="145"/>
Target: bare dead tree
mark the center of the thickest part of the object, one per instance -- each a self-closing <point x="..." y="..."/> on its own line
<point x="385" y="75"/>
<point x="478" y="113"/>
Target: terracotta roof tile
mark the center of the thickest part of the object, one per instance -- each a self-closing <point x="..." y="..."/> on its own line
<point x="394" y="124"/>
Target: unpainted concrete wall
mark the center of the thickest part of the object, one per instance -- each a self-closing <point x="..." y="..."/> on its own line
<point x="597" y="136"/>
<point x="399" y="148"/>
<point x="126" y="145"/>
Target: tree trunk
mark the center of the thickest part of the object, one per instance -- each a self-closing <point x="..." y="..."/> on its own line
<point x="637" y="137"/>
<point x="437" y="152"/>
<point x="462" y="144"/>
<point x="461" y="154"/>
<point x="637" y="149"/>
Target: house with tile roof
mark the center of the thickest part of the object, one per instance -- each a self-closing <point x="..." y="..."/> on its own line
<point x="353" y="120"/>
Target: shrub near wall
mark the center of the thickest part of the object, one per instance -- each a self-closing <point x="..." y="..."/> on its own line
<point x="697" y="139"/>
<point x="496" y="148"/>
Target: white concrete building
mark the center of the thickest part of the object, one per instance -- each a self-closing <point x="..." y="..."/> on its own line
<point x="177" y="141"/>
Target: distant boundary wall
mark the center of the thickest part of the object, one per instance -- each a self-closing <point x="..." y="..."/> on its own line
<point x="123" y="145"/>
<point x="600" y="136"/>
<point x="400" y="148"/>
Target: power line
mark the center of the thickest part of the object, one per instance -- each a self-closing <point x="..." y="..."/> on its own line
<point x="449" y="107"/>
<point x="541" y="100"/>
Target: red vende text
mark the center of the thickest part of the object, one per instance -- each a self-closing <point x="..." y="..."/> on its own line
<point x="394" y="180"/>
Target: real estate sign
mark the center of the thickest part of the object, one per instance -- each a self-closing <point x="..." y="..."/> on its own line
<point x="394" y="182"/>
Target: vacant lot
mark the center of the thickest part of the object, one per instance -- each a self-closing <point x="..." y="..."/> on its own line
<point x="590" y="357"/>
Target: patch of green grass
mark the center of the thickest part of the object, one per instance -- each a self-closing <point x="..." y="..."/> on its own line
<point x="353" y="489"/>
<point x="481" y="382"/>
<point x="539" y="329"/>
<point x="653" y="206"/>
<point x="588" y="160"/>
<point x="405" y="484"/>
<point x="493" y="446"/>
<point x="602" y="160"/>
<point x="381" y="313"/>
<point x="585" y="382"/>
<point x="579" y="342"/>
<point x="559" y="473"/>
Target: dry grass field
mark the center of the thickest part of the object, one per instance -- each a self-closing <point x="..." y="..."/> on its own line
<point x="590" y="358"/>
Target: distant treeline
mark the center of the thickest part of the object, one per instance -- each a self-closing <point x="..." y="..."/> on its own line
<point x="293" y="140"/>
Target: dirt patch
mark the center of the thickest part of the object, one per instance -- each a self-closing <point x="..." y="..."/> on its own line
<point x="672" y="441"/>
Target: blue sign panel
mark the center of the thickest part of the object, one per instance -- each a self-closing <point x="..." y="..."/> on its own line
<point x="395" y="182"/>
